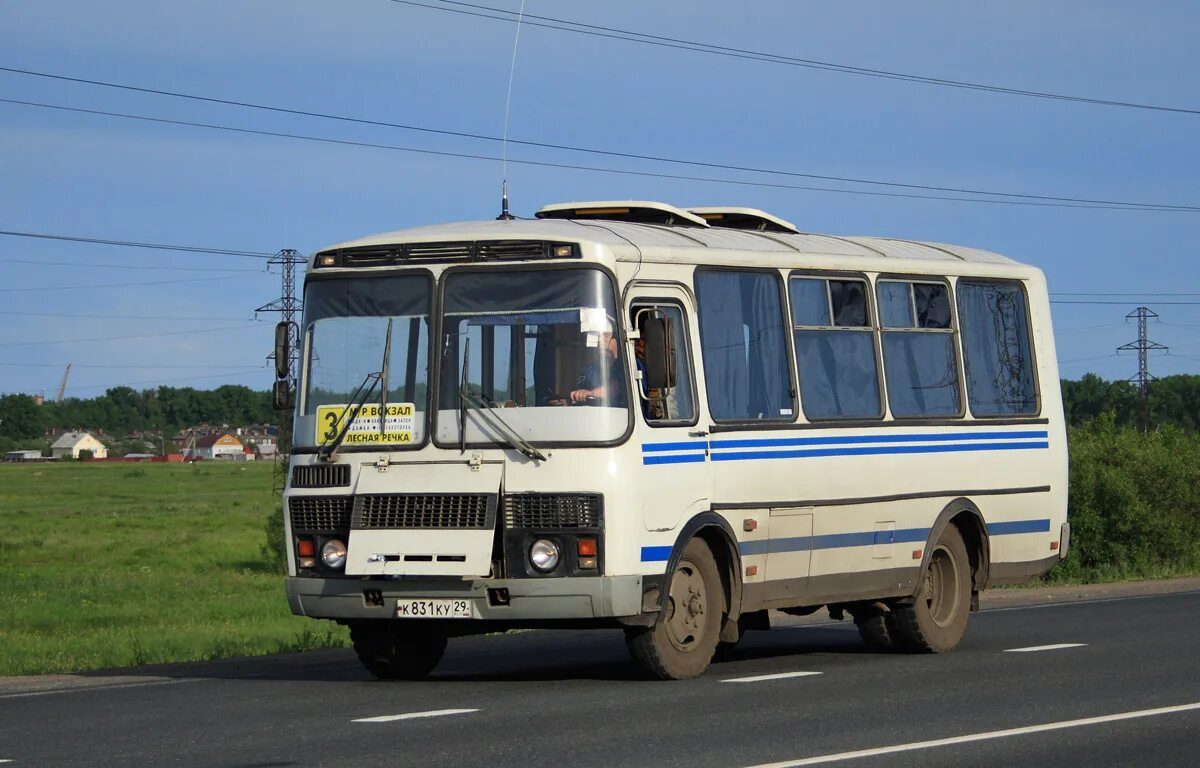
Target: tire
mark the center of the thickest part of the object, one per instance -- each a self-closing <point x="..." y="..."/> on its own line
<point x="874" y="624"/>
<point x="396" y="651"/>
<point x="936" y="620"/>
<point x="683" y="639"/>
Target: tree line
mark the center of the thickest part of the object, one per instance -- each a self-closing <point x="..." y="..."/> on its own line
<point x="124" y="410"/>
<point x="1174" y="400"/>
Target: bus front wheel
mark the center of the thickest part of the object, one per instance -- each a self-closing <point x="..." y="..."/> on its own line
<point x="394" y="651"/>
<point x="682" y="641"/>
<point x="937" y="619"/>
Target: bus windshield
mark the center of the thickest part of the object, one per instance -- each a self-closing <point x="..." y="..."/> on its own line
<point x="537" y="350"/>
<point x="348" y="322"/>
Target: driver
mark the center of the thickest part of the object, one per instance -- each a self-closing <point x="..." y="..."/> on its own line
<point x="593" y="384"/>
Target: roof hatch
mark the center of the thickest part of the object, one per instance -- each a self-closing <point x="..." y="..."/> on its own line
<point x="633" y="211"/>
<point x="744" y="218"/>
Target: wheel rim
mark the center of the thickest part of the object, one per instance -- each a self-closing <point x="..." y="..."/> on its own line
<point x="687" y="615"/>
<point x="941" y="587"/>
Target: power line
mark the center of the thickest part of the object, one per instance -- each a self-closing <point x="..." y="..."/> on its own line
<point x="1144" y="293"/>
<point x="132" y="244"/>
<point x="1123" y="303"/>
<point x="192" y="332"/>
<point x="1032" y="201"/>
<point x="42" y="262"/>
<point x="563" y="147"/>
<point x="122" y="366"/>
<point x="119" y="285"/>
<point x="614" y="33"/>
<point x="116" y="317"/>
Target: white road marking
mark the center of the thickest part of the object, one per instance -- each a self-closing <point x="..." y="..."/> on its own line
<point x="985" y="736"/>
<point x="413" y="715"/>
<point x="91" y="688"/>
<point x="1055" y="647"/>
<point x="759" y="678"/>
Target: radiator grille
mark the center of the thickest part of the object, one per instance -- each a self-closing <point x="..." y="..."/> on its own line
<point x="415" y="510"/>
<point x="320" y="514"/>
<point x="321" y="476"/>
<point x="554" y="510"/>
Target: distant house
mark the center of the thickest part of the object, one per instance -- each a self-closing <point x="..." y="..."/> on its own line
<point x="216" y="445"/>
<point x="71" y="443"/>
<point x="30" y="454"/>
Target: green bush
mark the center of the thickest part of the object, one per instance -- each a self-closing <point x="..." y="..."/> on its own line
<point x="273" y="548"/>
<point x="1134" y="503"/>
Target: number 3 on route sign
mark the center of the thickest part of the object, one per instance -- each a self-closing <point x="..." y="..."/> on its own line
<point x="364" y="429"/>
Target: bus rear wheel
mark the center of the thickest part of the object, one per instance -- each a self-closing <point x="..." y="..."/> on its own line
<point x="936" y="620"/>
<point x="874" y="622"/>
<point x="395" y="651"/>
<point x="683" y="639"/>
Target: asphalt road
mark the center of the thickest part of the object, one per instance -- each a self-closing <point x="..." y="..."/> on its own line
<point x="1124" y="690"/>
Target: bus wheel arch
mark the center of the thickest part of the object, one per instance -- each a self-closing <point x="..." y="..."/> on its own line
<point x="683" y="639"/>
<point x="716" y="532"/>
<point x="965" y="515"/>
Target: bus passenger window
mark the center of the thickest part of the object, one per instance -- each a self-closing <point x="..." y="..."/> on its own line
<point x="671" y="404"/>
<point x="744" y="346"/>
<point x="835" y="348"/>
<point x="996" y="352"/>
<point x="918" y="349"/>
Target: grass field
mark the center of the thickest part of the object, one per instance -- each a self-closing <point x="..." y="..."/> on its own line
<point x="109" y="565"/>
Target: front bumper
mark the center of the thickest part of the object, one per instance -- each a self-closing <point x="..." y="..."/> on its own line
<point x="529" y="599"/>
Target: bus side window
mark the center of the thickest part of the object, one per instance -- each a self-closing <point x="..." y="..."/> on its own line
<point x="996" y="351"/>
<point x="835" y="348"/>
<point x="743" y="341"/>
<point x="919" y="362"/>
<point x="672" y="404"/>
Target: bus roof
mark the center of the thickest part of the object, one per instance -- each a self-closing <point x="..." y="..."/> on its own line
<point x="630" y="240"/>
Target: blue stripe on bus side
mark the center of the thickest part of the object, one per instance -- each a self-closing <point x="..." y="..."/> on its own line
<point x="656" y="554"/>
<point x="833" y="541"/>
<point x="877" y="450"/>
<point x="852" y="439"/>
<point x="691" y="445"/>
<point x="856" y="539"/>
<point x="1019" y="526"/>
<point x="680" y="458"/>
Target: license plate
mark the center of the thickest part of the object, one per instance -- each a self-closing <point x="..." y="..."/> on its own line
<point x="433" y="609"/>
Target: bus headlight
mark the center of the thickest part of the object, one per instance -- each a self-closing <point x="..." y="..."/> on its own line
<point x="333" y="554"/>
<point x="543" y="555"/>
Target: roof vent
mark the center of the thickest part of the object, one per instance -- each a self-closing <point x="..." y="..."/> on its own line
<point x="632" y="211"/>
<point x="744" y="218"/>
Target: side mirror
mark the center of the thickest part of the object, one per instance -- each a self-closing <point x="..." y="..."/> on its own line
<point x="281" y="395"/>
<point x="283" y="350"/>
<point x="660" y="354"/>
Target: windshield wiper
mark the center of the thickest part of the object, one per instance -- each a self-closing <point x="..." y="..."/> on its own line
<point x="330" y="444"/>
<point x="462" y="397"/>
<point x="359" y="398"/>
<point x="493" y="420"/>
<point x="512" y="436"/>
<point x="383" y="380"/>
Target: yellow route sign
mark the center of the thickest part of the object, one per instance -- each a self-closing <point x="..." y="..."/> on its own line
<point x="398" y="424"/>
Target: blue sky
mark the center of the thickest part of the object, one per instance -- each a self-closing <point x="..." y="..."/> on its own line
<point x="68" y="173"/>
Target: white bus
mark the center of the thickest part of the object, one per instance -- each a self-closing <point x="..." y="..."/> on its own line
<point x="666" y="421"/>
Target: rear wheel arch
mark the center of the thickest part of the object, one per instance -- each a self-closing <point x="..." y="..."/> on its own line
<point x="965" y="515"/>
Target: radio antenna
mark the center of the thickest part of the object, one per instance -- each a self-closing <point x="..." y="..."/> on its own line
<point x="512" y="70"/>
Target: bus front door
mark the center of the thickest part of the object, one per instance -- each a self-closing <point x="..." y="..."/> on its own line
<point x="676" y="477"/>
